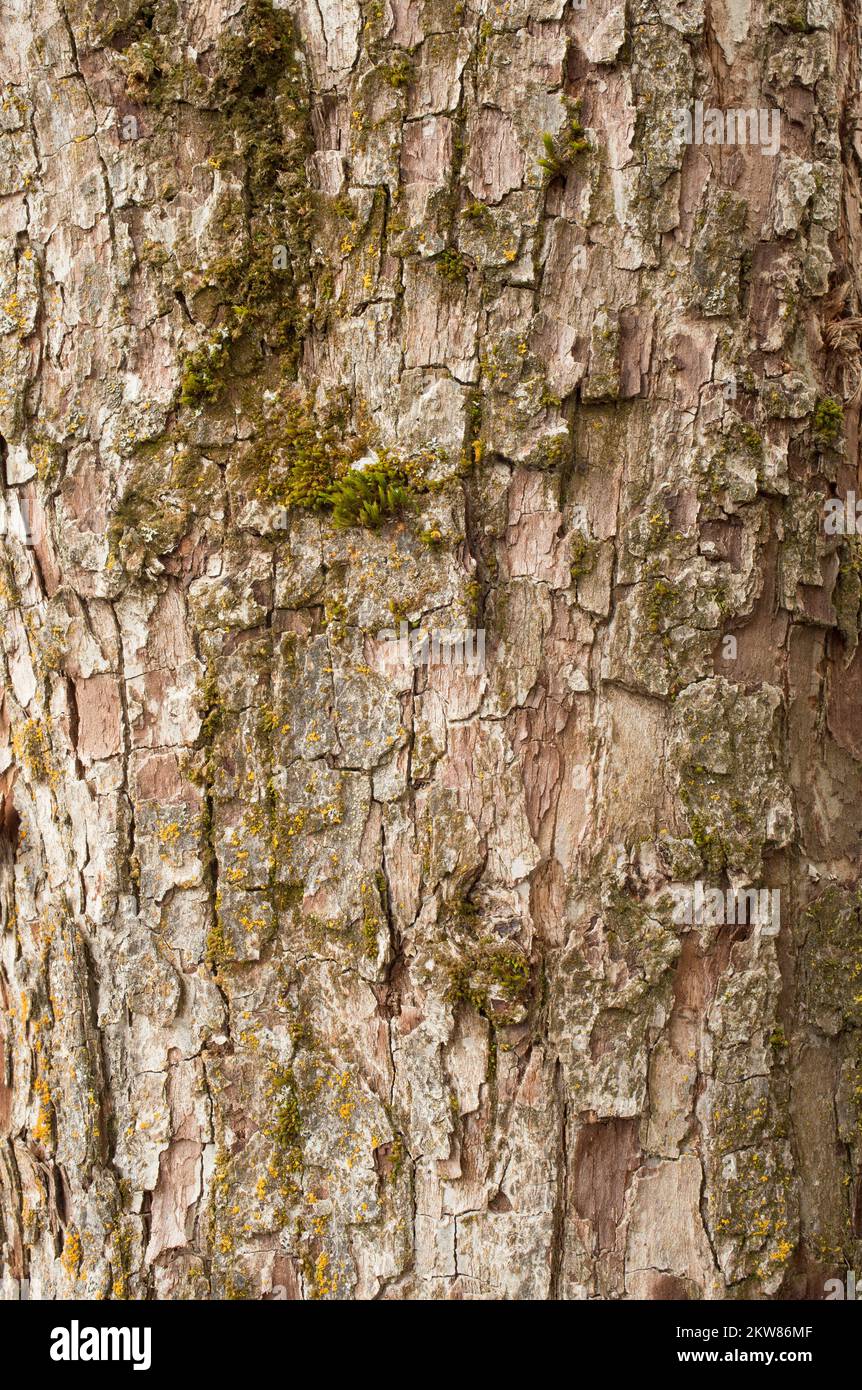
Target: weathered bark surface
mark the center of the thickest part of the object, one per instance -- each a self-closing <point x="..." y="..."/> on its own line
<point x="330" y="978"/>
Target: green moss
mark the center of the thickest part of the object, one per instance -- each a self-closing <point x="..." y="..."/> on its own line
<point x="827" y="421"/>
<point x="299" y="454"/>
<point x="398" y="72"/>
<point x="778" y="1039"/>
<point x="368" y="497"/>
<point x="477" y="211"/>
<point x="452" y="266"/>
<point x="790" y="14"/>
<point x="495" y="980"/>
<point x="562" y="150"/>
<point x="261" y="119"/>
<point x="261" y="53"/>
<point x="285" y="1125"/>
<point x="142" y="64"/>
<point x="432" y="537"/>
<point x="583" y="552"/>
<point x="201" y="375"/>
<point x="848" y="591"/>
<point x="660" y="604"/>
<point x="708" y="842"/>
<point x="552" y="162"/>
<point x="219" y="947"/>
<point x="832" y="959"/>
<point x="213" y="718"/>
<point x="752" y="440"/>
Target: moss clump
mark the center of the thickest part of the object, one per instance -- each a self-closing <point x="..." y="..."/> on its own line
<point x="258" y="112"/>
<point x="452" y="265"/>
<point x="142" y="63"/>
<point x="552" y="161"/>
<point x="368" y="497"/>
<point x="302" y="458"/>
<point x="661" y="602"/>
<point x="563" y="149"/>
<point x="495" y="980"/>
<point x="201" y="375"/>
<point x="261" y="118"/>
<point x="219" y="947"/>
<point x="299" y="455"/>
<point x="708" y="841"/>
<point x="791" y="14"/>
<point x="827" y="422"/>
<point x="583" y="553"/>
<point x="210" y="701"/>
<point x="477" y="211"/>
<point x="399" y="71"/>
<point x="260" y="54"/>
<point x="285" y="1127"/>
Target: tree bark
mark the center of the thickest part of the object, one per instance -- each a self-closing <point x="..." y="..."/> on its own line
<point x="328" y="973"/>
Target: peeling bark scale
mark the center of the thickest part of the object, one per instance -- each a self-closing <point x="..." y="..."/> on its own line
<point x="430" y="732"/>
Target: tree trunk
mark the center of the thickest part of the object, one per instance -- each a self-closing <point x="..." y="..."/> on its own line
<point x="335" y="965"/>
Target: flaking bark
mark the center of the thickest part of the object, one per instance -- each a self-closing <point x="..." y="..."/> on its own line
<point x="325" y="976"/>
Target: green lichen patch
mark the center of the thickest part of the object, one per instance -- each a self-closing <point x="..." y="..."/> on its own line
<point x="751" y="1210"/>
<point x="848" y="593"/>
<point x="731" y="786"/>
<point x="607" y="989"/>
<point x="253" y="290"/>
<point x="170" y="485"/>
<point x="716" y="265"/>
<point x="831" y="931"/>
<point x="729" y="468"/>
